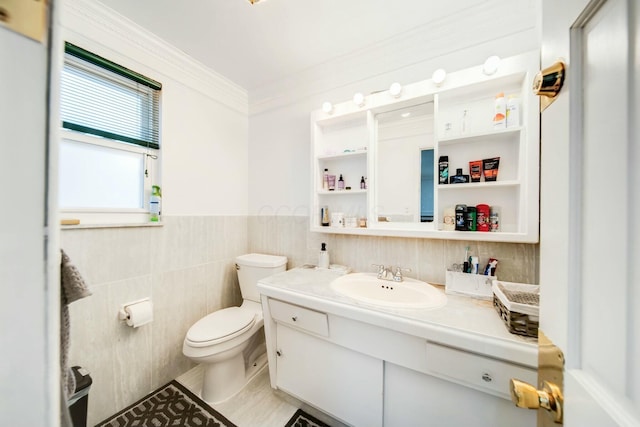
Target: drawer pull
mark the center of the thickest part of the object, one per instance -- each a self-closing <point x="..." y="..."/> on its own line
<point x="294" y="318"/>
<point x="279" y="353"/>
<point x="487" y="377"/>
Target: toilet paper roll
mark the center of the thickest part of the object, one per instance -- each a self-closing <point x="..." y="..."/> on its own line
<point x="139" y="314"/>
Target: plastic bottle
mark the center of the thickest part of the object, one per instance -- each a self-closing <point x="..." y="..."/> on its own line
<point x="340" y="183"/>
<point x="463" y="122"/>
<point x="500" y="112"/>
<point x="461" y="217"/>
<point x="324" y="216"/>
<point x="449" y="219"/>
<point x="482" y="217"/>
<point x="494" y="218"/>
<point x="323" y="258"/>
<point x="513" y="111"/>
<point x="443" y="170"/>
<point x="363" y="183"/>
<point x="325" y="180"/>
<point x="155" y="201"/>
<point x="471" y="218"/>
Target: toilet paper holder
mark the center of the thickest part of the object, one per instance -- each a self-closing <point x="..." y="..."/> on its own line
<point x="126" y="315"/>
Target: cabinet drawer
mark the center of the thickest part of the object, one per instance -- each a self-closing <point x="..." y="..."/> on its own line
<point x="476" y="371"/>
<point x="300" y="317"/>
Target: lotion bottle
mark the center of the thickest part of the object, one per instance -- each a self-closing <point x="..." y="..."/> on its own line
<point x="323" y="258"/>
<point x="513" y="111"/>
<point x="500" y="112"/>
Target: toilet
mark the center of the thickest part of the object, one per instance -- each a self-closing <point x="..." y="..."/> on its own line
<point x="229" y="343"/>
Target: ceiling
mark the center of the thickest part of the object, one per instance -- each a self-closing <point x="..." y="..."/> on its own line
<point x="256" y="45"/>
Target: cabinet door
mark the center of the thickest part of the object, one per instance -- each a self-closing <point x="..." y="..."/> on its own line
<point x="341" y="382"/>
<point x="415" y="399"/>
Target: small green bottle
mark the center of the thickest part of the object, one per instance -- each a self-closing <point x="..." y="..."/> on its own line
<point x="154" y="203"/>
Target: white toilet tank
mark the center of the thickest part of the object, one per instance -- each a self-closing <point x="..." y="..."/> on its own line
<point x="253" y="267"/>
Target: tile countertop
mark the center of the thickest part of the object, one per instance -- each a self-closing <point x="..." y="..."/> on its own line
<point x="466" y="323"/>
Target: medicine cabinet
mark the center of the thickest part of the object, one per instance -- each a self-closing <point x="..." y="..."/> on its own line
<point x="394" y="144"/>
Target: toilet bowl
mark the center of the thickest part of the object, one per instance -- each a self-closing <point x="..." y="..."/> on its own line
<point x="229" y="343"/>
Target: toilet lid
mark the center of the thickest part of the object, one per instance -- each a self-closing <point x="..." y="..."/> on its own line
<point x="221" y="325"/>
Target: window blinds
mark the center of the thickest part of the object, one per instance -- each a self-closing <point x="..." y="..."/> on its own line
<point x="105" y="99"/>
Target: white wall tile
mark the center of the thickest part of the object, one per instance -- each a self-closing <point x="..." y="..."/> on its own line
<point x="428" y="259"/>
<point x="186" y="266"/>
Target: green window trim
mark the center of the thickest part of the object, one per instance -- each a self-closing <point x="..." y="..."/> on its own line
<point x="109" y="135"/>
<point x="85" y="55"/>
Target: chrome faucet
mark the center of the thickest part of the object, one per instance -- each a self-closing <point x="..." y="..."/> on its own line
<point x="387" y="273"/>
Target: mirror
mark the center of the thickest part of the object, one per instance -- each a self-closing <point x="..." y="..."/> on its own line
<point x="426" y="185"/>
<point x="405" y="165"/>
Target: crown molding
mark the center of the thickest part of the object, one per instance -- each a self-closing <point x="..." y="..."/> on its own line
<point x="462" y="35"/>
<point x="91" y="21"/>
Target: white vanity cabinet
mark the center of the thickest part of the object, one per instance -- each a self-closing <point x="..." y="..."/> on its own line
<point x="413" y="398"/>
<point x="366" y="368"/>
<point x="344" y="383"/>
<point x="349" y="141"/>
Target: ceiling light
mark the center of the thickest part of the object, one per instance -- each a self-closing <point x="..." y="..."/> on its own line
<point x="491" y="65"/>
<point x="438" y="76"/>
<point x="395" y="89"/>
<point x="405" y="115"/>
<point x="327" y="107"/>
<point x="358" y="99"/>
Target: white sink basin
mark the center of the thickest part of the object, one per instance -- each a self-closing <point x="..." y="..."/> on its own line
<point x="410" y="293"/>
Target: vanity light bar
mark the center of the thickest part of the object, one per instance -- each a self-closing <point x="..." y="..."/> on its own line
<point x="438" y="77"/>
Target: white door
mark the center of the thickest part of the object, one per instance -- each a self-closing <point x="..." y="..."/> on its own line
<point x="29" y="315"/>
<point x="590" y="197"/>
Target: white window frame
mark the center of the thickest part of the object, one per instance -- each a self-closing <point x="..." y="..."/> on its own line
<point x="115" y="216"/>
<point x="110" y="217"/>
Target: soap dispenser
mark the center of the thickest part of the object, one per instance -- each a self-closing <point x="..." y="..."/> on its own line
<point x="323" y="259"/>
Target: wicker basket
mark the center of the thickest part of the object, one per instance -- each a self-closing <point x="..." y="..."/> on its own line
<point x="518" y="306"/>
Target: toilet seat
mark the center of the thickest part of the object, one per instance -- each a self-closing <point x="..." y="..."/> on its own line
<point x="220" y="326"/>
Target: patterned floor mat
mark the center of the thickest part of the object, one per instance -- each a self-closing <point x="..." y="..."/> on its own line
<point x="302" y="419"/>
<point x="170" y="405"/>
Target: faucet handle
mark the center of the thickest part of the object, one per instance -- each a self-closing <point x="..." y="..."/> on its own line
<point x="397" y="276"/>
<point x="380" y="267"/>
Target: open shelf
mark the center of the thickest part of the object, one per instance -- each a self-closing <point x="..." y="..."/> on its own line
<point x="387" y="140"/>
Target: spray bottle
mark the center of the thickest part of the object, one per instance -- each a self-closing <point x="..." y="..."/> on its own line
<point x="155" y="202"/>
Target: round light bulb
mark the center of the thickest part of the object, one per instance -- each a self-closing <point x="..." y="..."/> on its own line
<point x="358" y="99"/>
<point x="491" y="65"/>
<point x="438" y="76"/>
<point x="395" y="89"/>
<point x="327" y="107"/>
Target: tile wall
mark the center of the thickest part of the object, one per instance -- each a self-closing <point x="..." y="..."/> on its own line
<point x="428" y="259"/>
<point x="187" y="268"/>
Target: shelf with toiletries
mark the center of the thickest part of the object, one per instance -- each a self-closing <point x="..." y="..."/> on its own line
<point x="476" y="185"/>
<point x="492" y="154"/>
<point x="479" y="136"/>
<point x="340" y="168"/>
<point x="341" y="192"/>
<point x="498" y="161"/>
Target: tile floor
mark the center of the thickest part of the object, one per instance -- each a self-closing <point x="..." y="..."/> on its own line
<point x="257" y="404"/>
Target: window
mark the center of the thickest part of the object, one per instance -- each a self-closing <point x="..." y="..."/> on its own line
<point x="110" y="140"/>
